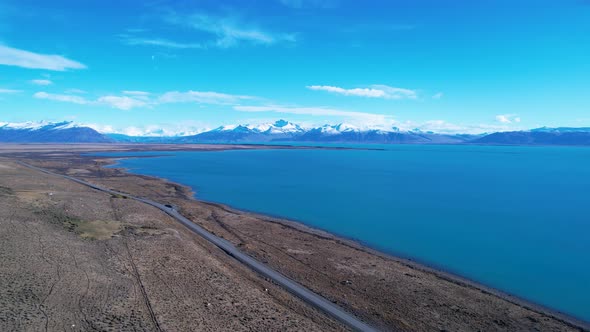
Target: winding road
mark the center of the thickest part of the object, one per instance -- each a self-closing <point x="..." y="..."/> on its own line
<point x="293" y="287"/>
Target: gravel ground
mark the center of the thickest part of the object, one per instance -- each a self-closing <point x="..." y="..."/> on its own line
<point x="73" y="259"/>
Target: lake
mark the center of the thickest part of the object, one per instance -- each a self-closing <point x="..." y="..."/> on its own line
<point x="513" y="218"/>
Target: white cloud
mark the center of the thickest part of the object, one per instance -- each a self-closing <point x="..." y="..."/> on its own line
<point x="203" y="97"/>
<point x="104" y="129"/>
<point x="41" y="82"/>
<point x="9" y="91"/>
<point x="502" y="118"/>
<point x="396" y="93"/>
<point x="132" y="131"/>
<point x="508" y="118"/>
<point x="160" y="42"/>
<point x="122" y="103"/>
<point x="228" y="32"/>
<point x="438" y="95"/>
<point x="136" y="93"/>
<point x="14" y="57"/>
<point x="360" y="119"/>
<point x="62" y="98"/>
<point x="136" y="99"/>
<point x="374" y="91"/>
<point x="364" y="92"/>
<point x="141" y="95"/>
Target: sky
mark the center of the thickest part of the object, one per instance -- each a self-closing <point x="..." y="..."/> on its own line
<point x="182" y="66"/>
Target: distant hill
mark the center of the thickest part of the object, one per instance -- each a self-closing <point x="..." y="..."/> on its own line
<point x="342" y="134"/>
<point x="542" y="136"/>
<point x="562" y="130"/>
<point x="61" y="132"/>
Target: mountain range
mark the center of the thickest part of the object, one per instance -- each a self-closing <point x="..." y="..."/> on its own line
<point x="48" y="132"/>
<point x="284" y="131"/>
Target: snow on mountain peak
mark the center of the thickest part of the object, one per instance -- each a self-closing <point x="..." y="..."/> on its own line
<point x="65" y="125"/>
<point x="278" y="127"/>
<point x="30" y="125"/>
<point x="226" y="128"/>
<point x="338" y="129"/>
<point x="342" y="127"/>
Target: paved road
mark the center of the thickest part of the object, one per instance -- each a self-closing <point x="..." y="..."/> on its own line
<point x="293" y="287"/>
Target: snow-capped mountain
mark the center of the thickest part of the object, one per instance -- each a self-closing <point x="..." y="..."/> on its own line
<point x="41" y="125"/>
<point x="337" y="129"/>
<point x="49" y="132"/>
<point x="284" y="131"/>
<point x="278" y="127"/>
<point x="340" y="133"/>
<point x="279" y="130"/>
<point x="350" y="134"/>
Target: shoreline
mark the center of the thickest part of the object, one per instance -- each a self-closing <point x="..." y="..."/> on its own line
<point x="356" y="244"/>
<point x="411" y="263"/>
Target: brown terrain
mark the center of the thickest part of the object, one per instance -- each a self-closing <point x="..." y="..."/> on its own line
<point x="72" y="258"/>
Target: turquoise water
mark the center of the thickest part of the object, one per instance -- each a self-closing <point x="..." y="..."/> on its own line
<point x="514" y="218"/>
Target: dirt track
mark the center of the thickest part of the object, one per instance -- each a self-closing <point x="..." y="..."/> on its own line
<point x="74" y="259"/>
<point x="301" y="292"/>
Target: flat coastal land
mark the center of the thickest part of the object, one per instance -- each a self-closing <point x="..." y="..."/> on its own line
<point x="73" y="258"/>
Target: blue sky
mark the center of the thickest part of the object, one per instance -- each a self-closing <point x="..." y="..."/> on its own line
<point x="448" y="66"/>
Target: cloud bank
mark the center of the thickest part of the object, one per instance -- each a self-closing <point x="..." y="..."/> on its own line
<point x="203" y="97"/>
<point x="41" y="82"/>
<point x="9" y="91"/>
<point x="374" y="91"/>
<point x="228" y="32"/>
<point x="508" y="118"/>
<point x="63" y="98"/>
<point x="137" y="99"/>
<point x="20" y="58"/>
<point x="360" y="119"/>
<point x="122" y="103"/>
<point x="160" y="42"/>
